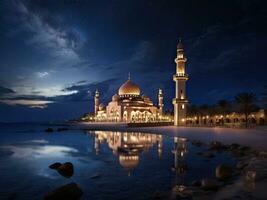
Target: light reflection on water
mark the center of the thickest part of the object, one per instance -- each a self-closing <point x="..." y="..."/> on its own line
<point x="107" y="165"/>
<point x="127" y="146"/>
<point x="33" y="152"/>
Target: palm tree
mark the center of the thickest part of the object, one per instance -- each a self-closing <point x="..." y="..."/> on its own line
<point x="223" y="108"/>
<point x="246" y="104"/>
<point x="265" y="99"/>
<point x="193" y="110"/>
<point x="203" y="111"/>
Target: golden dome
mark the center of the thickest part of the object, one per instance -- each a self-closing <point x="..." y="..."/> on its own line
<point x="129" y="88"/>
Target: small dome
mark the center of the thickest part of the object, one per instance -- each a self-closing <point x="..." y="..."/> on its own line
<point x="115" y="97"/>
<point x="129" y="88"/>
<point x="145" y="97"/>
<point x="101" y="106"/>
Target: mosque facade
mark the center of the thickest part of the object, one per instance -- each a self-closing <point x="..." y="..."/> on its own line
<point x="128" y="105"/>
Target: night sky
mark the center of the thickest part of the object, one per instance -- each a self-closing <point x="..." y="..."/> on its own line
<point x="54" y="54"/>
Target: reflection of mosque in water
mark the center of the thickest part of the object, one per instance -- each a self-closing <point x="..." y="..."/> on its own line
<point x="180" y="165"/>
<point x="128" y="146"/>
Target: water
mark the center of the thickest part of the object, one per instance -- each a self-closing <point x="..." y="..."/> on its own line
<point x="107" y="165"/>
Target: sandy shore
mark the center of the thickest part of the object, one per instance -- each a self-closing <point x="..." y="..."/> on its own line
<point x="255" y="138"/>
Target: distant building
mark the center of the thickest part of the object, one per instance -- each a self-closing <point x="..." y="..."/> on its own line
<point x="129" y="106"/>
<point x="231" y="120"/>
<point x="180" y="101"/>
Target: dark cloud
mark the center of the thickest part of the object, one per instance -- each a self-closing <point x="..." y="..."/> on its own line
<point x="42" y="108"/>
<point x="85" y="91"/>
<point x="5" y="91"/>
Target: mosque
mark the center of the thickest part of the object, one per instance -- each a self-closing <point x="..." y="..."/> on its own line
<point x="129" y="105"/>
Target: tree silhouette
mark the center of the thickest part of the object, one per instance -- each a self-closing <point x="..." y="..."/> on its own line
<point x="223" y="108"/>
<point x="246" y="104"/>
<point x="264" y="99"/>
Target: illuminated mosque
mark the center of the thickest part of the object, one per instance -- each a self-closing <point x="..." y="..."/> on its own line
<point x="129" y="105"/>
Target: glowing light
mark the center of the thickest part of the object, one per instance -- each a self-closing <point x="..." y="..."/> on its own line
<point x="39" y="151"/>
<point x="180" y="55"/>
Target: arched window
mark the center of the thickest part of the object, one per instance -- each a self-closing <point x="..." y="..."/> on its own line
<point x="125" y="116"/>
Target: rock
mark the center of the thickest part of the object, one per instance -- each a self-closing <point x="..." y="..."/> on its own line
<point x="223" y="172"/>
<point x="259" y="166"/>
<point x="66" y="169"/>
<point x="209" y="184"/>
<point x="196" y="183"/>
<point x="241" y="165"/>
<point x="182" y="192"/>
<point x="234" y="146"/>
<point x="241" y="151"/>
<point x="262" y="154"/>
<point x="215" y="145"/>
<point x="70" y="191"/>
<point x="238" y="153"/>
<point x="49" y="130"/>
<point x="250" y="176"/>
<point x="55" y="165"/>
<point x="255" y="152"/>
<point x="244" y="148"/>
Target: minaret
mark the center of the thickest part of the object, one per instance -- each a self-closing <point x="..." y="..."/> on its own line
<point x="180" y="78"/>
<point x="97" y="102"/>
<point x="160" y="97"/>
